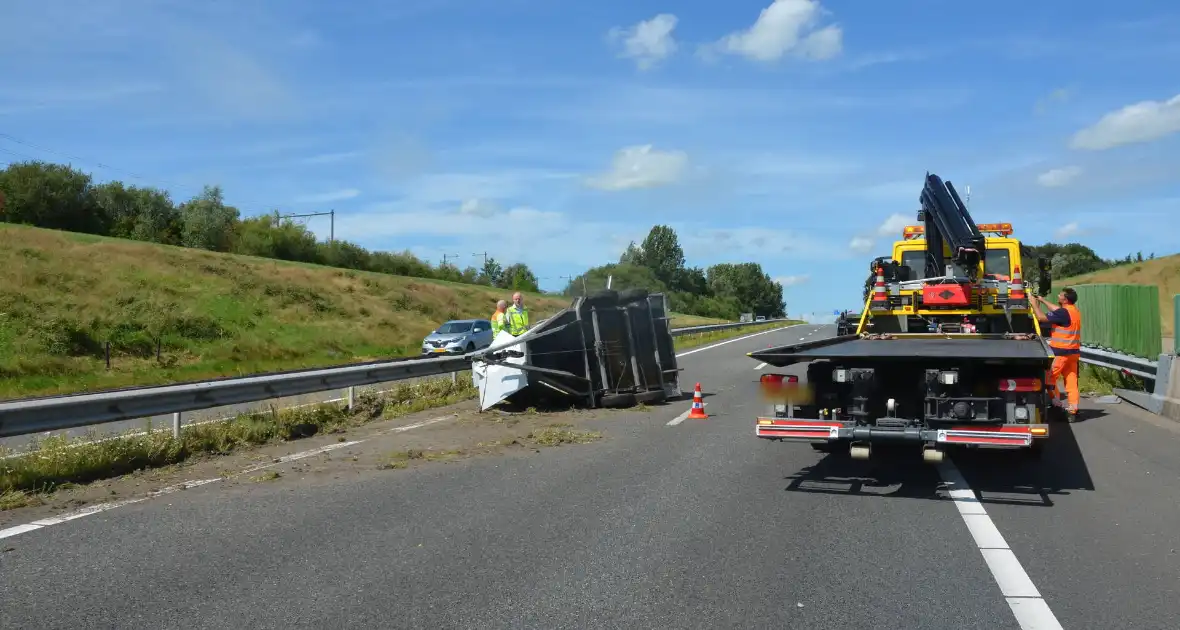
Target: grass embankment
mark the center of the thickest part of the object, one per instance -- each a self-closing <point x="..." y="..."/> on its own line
<point x="65" y="296"/>
<point x="1161" y="272"/>
<point x="59" y="462"/>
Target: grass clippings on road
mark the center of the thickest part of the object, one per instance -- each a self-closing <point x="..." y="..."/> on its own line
<point x="57" y="461"/>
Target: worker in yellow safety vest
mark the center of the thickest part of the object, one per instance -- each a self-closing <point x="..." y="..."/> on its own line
<point x="517" y="316"/>
<point x="1066" y="342"/>
<point x="498" y="318"/>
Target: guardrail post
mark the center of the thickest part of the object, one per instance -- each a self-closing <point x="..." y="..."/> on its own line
<point x="176" y="425"/>
<point x="351" y="398"/>
<point x="455" y="378"/>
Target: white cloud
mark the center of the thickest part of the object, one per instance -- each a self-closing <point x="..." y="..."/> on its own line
<point x="478" y="208"/>
<point x="891" y="228"/>
<point x="335" y="195"/>
<point x="1144" y="121"/>
<point x="1059" y="177"/>
<point x="895" y="224"/>
<point x="785" y="27"/>
<point x="861" y="245"/>
<point x="1068" y="230"/>
<point x="642" y="167"/>
<point x="649" y="42"/>
<point x="790" y="281"/>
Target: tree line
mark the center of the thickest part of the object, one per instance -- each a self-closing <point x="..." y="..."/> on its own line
<point x="657" y="264"/>
<point x="60" y="197"/>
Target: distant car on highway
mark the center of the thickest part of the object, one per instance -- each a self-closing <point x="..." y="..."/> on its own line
<point x="760" y="318"/>
<point x="458" y="336"/>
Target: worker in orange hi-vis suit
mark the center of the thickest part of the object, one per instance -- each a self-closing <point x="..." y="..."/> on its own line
<point x="1066" y="342"/>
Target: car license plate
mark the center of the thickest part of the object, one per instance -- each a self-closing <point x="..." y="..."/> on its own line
<point x="440" y="349"/>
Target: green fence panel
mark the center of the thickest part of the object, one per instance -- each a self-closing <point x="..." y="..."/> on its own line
<point x="1121" y="317"/>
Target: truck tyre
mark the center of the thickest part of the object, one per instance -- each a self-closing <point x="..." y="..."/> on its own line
<point x="626" y="296"/>
<point x="617" y="401"/>
<point x="651" y="397"/>
<point x="605" y="297"/>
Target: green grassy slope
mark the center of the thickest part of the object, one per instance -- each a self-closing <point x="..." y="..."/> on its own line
<point x="64" y="296"/>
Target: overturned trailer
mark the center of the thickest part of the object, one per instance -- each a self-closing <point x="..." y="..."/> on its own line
<point x="608" y="349"/>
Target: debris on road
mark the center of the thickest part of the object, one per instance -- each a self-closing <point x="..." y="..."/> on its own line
<point x="611" y="349"/>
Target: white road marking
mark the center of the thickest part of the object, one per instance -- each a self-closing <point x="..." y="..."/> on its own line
<point x="424" y="423"/>
<point x="722" y="343"/>
<point x="684" y="416"/>
<point x="297" y="456"/>
<point x="760" y="366"/>
<point x="1022" y="596"/>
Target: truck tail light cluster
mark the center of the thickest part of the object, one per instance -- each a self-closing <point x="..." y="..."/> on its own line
<point x="1021" y="385"/>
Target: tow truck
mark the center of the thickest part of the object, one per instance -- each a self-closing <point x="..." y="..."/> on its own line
<point x="946" y="352"/>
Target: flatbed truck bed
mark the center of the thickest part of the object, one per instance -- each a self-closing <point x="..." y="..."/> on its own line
<point x="910" y="347"/>
<point x="935" y="389"/>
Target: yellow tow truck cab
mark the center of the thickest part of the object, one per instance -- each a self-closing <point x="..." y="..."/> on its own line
<point x="908" y="297"/>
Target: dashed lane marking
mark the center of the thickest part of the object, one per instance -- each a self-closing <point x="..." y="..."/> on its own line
<point x="682" y="417"/>
<point x="1031" y="610"/>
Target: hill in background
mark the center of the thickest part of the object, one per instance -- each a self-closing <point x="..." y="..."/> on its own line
<point x="66" y="295"/>
<point x="1161" y="272"/>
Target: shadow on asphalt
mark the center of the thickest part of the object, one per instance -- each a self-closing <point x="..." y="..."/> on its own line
<point x="997" y="476"/>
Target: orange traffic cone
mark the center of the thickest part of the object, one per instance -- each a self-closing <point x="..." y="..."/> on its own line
<point x="698" y="406"/>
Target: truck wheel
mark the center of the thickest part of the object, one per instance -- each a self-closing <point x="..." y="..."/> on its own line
<point x="617" y="401"/>
<point x="605" y="297"/>
<point x="651" y="397"/>
<point x="626" y="296"/>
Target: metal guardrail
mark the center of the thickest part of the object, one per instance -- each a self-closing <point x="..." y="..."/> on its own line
<point x="1143" y="368"/>
<point x="36" y="415"/>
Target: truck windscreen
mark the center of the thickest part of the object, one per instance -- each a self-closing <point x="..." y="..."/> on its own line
<point x="997" y="263"/>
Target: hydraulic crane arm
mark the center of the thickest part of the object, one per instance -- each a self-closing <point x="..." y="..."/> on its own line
<point x="947" y="221"/>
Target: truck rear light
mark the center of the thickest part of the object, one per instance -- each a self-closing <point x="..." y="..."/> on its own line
<point x="1020" y="385"/>
<point x="775" y="379"/>
<point x="948" y="378"/>
<point x="1021" y="413"/>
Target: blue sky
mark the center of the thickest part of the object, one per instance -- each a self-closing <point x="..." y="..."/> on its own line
<point x="789" y="132"/>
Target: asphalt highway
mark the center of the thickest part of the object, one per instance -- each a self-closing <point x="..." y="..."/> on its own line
<point x="696" y="524"/>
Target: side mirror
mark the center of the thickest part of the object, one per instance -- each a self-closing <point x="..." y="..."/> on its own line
<point x="1044" y="277"/>
<point x="477" y="329"/>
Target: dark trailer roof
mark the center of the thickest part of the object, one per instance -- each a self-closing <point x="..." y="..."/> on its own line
<point x="909" y="348"/>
